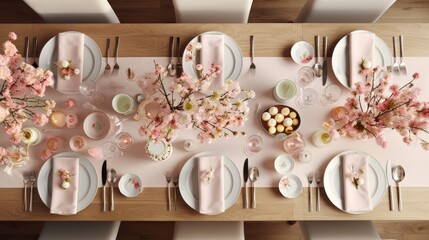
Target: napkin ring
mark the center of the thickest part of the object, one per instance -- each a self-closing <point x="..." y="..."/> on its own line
<point x="66" y="178"/>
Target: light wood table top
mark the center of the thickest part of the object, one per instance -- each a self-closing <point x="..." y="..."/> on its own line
<point x="274" y="40"/>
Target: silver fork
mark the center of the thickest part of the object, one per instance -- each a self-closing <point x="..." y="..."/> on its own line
<point x="401" y="55"/>
<point x="175" y="182"/>
<point x="107" y="55"/>
<point x="396" y="63"/>
<point x="26" y="181"/>
<point x="168" y="179"/>
<point x="116" y="67"/>
<point x="310" y="177"/>
<point x="32" y="181"/>
<point x="318" y="180"/>
<point x="252" y="52"/>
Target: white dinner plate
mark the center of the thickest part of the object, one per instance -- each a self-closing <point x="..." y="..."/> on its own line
<point x="88" y="181"/>
<point x="233" y="58"/>
<point x="92" y="59"/>
<point x="333" y="178"/>
<point x="188" y="181"/>
<point x="382" y="58"/>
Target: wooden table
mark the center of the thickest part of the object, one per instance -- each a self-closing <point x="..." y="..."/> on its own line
<point x="152" y="40"/>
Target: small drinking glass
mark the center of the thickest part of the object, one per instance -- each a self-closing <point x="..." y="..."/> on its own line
<point x="254" y="145"/>
<point x="307" y="97"/>
<point x="330" y="94"/>
<point x="305" y="76"/>
<point x="294" y="144"/>
<point x="89" y="88"/>
<point x="124" y="141"/>
<point x="110" y="149"/>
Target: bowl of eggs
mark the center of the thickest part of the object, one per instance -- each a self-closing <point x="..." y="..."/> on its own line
<point x="280" y="120"/>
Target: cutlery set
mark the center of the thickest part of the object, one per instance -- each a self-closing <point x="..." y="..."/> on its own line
<point x="107" y="68"/>
<point x="321" y="70"/>
<point x="396" y="173"/>
<point x="29" y="180"/>
<point x="253" y="175"/>
<point x="111" y="177"/>
<point x="175" y="184"/>
<point x="398" y="67"/>
<point x="175" y="69"/>
<point x="34" y="51"/>
<point x="311" y="177"/>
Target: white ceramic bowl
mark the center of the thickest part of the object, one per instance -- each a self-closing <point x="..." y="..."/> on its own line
<point x="290" y="186"/>
<point x="97" y="125"/>
<point x="130" y="185"/>
<point x="284" y="164"/>
<point x="302" y="52"/>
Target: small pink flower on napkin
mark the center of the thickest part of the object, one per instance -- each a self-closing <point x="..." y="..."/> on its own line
<point x="361" y="46"/>
<point x="212" y="52"/>
<point x="64" y="201"/>
<point x="70" y="48"/>
<point x="357" y="196"/>
<point x="211" y="186"/>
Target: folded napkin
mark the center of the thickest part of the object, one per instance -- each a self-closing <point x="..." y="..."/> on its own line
<point x="212" y="52"/>
<point x="361" y="46"/>
<point x="355" y="165"/>
<point x="211" y="188"/>
<point x="64" y="201"/>
<point x="70" y="48"/>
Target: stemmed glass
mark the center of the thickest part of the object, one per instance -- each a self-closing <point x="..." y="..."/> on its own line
<point x="253" y="145"/>
<point x="306" y="96"/>
<point x="89" y="88"/>
<point x="330" y="94"/>
<point x="123" y="141"/>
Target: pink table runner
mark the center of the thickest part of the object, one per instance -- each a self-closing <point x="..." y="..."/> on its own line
<point x="270" y="71"/>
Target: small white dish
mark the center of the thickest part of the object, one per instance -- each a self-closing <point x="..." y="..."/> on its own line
<point x="130" y="185"/>
<point x="159" y="151"/>
<point x="97" y="125"/>
<point x="302" y="52"/>
<point x="284" y="164"/>
<point x="290" y="186"/>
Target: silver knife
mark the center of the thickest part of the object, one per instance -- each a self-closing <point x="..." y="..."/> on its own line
<point x="245" y="177"/>
<point x="104" y="180"/>
<point x="389" y="183"/>
<point x="179" y="68"/>
<point x="325" y="62"/>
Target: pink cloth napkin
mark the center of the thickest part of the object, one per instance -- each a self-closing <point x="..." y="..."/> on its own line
<point x="64" y="201"/>
<point x="211" y="186"/>
<point x="70" y="47"/>
<point x="212" y="52"/>
<point x="356" y="199"/>
<point x="361" y="46"/>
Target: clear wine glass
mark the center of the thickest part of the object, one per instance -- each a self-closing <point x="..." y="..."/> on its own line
<point x="305" y="76"/>
<point x="110" y="150"/>
<point x="307" y="97"/>
<point x="330" y="94"/>
<point x="254" y="144"/>
<point x="89" y="88"/>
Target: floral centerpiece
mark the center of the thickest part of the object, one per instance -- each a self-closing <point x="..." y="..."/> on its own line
<point x="183" y="106"/>
<point x="22" y="88"/>
<point x="377" y="104"/>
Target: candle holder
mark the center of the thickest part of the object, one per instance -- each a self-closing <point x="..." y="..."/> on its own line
<point x="294" y="144"/>
<point x="124" y="141"/>
<point x="31" y="136"/>
<point x="78" y="143"/>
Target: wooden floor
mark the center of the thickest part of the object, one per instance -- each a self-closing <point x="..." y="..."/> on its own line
<point x="162" y="11"/>
<point x="253" y="230"/>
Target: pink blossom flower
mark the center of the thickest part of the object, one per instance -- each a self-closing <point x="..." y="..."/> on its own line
<point x="12" y="36"/>
<point x="416" y="75"/>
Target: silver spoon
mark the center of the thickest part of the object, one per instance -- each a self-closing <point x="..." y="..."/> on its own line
<point x="171" y="67"/>
<point x="317" y="67"/>
<point x="253" y="176"/>
<point x="398" y="174"/>
<point x="112" y="180"/>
